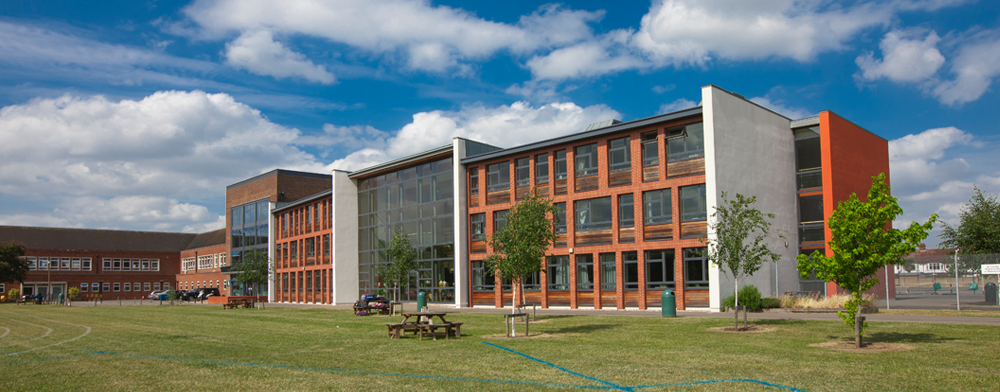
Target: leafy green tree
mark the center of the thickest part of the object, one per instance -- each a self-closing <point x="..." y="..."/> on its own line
<point x="13" y="267"/>
<point x="977" y="233"/>
<point x="402" y="260"/>
<point x="520" y="246"/>
<point x="740" y="244"/>
<point x="863" y="243"/>
<point x="253" y="270"/>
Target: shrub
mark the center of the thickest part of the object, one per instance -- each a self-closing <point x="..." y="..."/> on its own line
<point x="74" y="292"/>
<point x="13" y="294"/>
<point x="770" y="303"/>
<point x="749" y="297"/>
<point x="869" y="302"/>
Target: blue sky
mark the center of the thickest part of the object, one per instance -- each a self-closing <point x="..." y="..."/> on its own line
<point x="137" y="114"/>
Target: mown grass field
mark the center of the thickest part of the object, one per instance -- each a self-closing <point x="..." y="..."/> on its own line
<point x="205" y="348"/>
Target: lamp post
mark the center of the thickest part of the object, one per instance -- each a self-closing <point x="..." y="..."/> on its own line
<point x="48" y="271"/>
<point x="958" y="305"/>
<point x="100" y="292"/>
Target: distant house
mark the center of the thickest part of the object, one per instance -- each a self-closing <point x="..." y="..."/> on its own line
<point x="925" y="261"/>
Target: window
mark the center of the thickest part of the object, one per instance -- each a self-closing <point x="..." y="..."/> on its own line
<point x="499" y="220"/>
<point x="326" y="244"/>
<point x="146" y="286"/>
<point x="105" y="267"/>
<point x="808" y="158"/>
<point x="262" y="210"/>
<point x="154" y="265"/>
<point x="310" y="247"/>
<point x="695" y="268"/>
<point x="542" y="169"/>
<point x="84" y="287"/>
<point x="585" y="272"/>
<point x="618" y="154"/>
<point x="650" y="150"/>
<point x="32" y="263"/>
<point x="117" y="287"/>
<point x="630" y="270"/>
<point x="626" y="211"/>
<point x="656" y="209"/>
<point x="812" y="233"/>
<point x="474" y="181"/>
<point x="85" y="264"/>
<point x="127" y="286"/>
<point x="558" y="273"/>
<point x="3" y="288"/>
<point x="482" y="280"/>
<point x="586" y="160"/>
<point x="561" y="217"/>
<point x="249" y="215"/>
<point x="498" y="176"/>
<point x="138" y="286"/>
<point x="522" y="172"/>
<point x="237" y="216"/>
<point x="560" y="165"/>
<point x="593" y="214"/>
<point x="106" y="287"/>
<point x="660" y="269"/>
<point x="811" y="209"/>
<point x="685" y="142"/>
<point x="295" y="250"/>
<point x="693" y="206"/>
<point x="477" y="225"/>
<point x="156" y="285"/>
<point x="608" y="276"/>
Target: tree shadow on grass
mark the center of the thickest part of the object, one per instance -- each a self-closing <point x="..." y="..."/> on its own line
<point x="902" y="337"/>
<point x="584" y="328"/>
<point x="775" y="322"/>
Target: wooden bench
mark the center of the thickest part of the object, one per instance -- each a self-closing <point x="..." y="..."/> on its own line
<point x="396" y="330"/>
<point x="386" y="309"/>
<point x="21" y="301"/>
<point x="431" y="330"/>
<point x="235" y="303"/>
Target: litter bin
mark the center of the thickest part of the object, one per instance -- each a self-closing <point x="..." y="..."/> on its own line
<point x="61" y="296"/>
<point x="421" y="301"/>
<point x="668" y="304"/>
<point x="991" y="293"/>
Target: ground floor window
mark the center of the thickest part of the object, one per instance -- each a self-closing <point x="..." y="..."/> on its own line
<point x="695" y="268"/>
<point x="630" y="270"/>
<point x="585" y="272"/>
<point x="84" y="287"/>
<point x="117" y="287"/>
<point x="127" y="287"/>
<point x="660" y="269"/>
<point x="558" y="273"/>
<point x="608" y="276"/>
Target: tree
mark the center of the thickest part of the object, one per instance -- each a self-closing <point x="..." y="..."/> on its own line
<point x="862" y="243"/>
<point x="402" y="260"/>
<point x="254" y="269"/>
<point x="739" y="245"/>
<point x="977" y="233"/>
<point x="520" y="246"/>
<point x="13" y="266"/>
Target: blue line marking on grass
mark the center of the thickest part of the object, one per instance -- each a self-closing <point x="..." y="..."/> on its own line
<point x="609" y="384"/>
<point x="47" y="359"/>
<point x="350" y="371"/>
<point x="765" y="383"/>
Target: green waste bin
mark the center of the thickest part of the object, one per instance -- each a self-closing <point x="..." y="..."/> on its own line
<point x="61" y="296"/>
<point x="421" y="301"/>
<point x="668" y="304"/>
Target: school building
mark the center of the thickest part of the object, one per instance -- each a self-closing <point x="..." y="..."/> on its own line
<point x="636" y="200"/>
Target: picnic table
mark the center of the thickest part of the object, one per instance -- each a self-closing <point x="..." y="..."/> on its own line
<point x="381" y="306"/>
<point x="238" y="302"/>
<point x="422" y="323"/>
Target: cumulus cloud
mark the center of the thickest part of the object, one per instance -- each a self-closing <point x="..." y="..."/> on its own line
<point x="430" y="38"/>
<point x="503" y="126"/>
<point x="975" y="66"/>
<point x="258" y="53"/>
<point x="679" y="104"/>
<point x="905" y="57"/>
<point x="137" y="162"/>
<point x="918" y="161"/>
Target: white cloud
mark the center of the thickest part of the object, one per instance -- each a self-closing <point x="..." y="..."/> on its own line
<point x="793" y="113"/>
<point x="430" y="38"/>
<point x="258" y="53"/>
<point x="905" y="57"/>
<point x="502" y="126"/>
<point x="680" y="103"/>
<point x="169" y="143"/>
<point x="975" y="67"/>
<point x="127" y="212"/>
<point x="663" y="89"/>
<point x="586" y="59"/>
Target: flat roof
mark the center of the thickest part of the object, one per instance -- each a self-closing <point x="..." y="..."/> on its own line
<point x="281" y="172"/>
<point x="586" y="134"/>
<point x="401" y="161"/>
<point x="303" y="200"/>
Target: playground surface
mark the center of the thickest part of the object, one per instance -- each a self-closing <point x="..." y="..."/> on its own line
<point x="47" y="347"/>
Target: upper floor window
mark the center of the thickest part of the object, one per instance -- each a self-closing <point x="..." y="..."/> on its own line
<point x="474" y="181"/>
<point x="650" y="150"/>
<point x="522" y="172"/>
<point x="498" y="176"/>
<point x="626" y="210"/>
<point x="685" y="142"/>
<point x="586" y="160"/>
<point x="593" y="214"/>
<point x="656" y="207"/>
<point x="561" y="217"/>
<point x="237" y="216"/>
<point x="477" y="225"/>
<point x="560" y="165"/>
<point x="693" y="205"/>
<point x="619" y="157"/>
<point x="808" y="158"/>
<point x="542" y="169"/>
<point x="499" y="220"/>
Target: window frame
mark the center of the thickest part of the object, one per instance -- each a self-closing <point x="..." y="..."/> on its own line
<point x="626" y="206"/>
<point x="473" y="180"/>
<point x="585" y="160"/>
<point x="700" y="201"/>
<point x="681" y="145"/>
<point x="522" y="172"/>
<point x="542" y="168"/>
<point x="650" y="144"/>
<point x="623" y="150"/>
<point x="667" y="271"/>
<point x="655" y="198"/>
<point x="583" y="211"/>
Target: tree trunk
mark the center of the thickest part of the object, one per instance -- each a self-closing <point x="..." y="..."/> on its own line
<point x="857" y="327"/>
<point x="736" y="304"/>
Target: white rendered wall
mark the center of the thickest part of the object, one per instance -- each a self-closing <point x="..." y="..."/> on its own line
<point x="271" y="235"/>
<point x="751" y="150"/>
<point x="344" y="239"/>
<point x="461" y="221"/>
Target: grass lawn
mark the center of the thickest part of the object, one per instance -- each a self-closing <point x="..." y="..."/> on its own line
<point x="206" y="348"/>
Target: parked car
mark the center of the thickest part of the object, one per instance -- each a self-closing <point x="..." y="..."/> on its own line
<point x="156" y="294"/>
<point x="165" y="294"/>
<point x="206" y="292"/>
<point x="190" y="295"/>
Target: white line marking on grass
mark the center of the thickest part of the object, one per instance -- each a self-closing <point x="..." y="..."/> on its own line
<point x="87" y="332"/>
<point x="5" y="332"/>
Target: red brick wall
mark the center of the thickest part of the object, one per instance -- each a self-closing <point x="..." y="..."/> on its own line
<point x="636" y="188"/>
<point x="298" y="233"/>
<point x="169" y="267"/>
